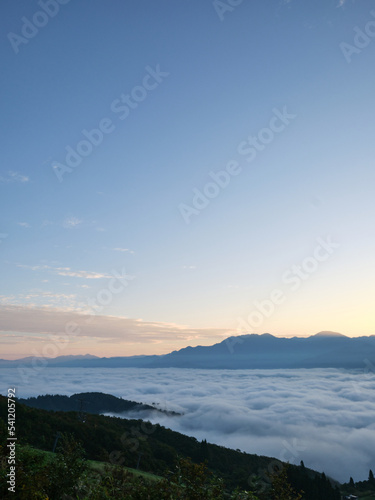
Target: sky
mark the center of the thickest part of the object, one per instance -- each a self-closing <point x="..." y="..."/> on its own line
<point x="180" y="172"/>
<point x="277" y="413"/>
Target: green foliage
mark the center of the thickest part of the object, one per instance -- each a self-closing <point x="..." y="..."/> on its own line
<point x="188" y="481"/>
<point x="65" y="471"/>
<point x="314" y="485"/>
<point x="281" y="488"/>
<point x="31" y="478"/>
<point x="40" y="476"/>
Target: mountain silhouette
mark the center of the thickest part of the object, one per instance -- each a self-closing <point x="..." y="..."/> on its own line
<point x="323" y="350"/>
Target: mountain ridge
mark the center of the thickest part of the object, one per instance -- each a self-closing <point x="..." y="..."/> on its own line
<point x="322" y="350"/>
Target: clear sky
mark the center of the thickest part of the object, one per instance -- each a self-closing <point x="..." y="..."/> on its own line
<point x="173" y="173"/>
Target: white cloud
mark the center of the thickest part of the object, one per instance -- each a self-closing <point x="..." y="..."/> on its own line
<point x="123" y="250"/>
<point x="40" y="298"/>
<point x="324" y="417"/>
<point x="71" y="222"/>
<point x="23" y="224"/>
<point x="12" y="176"/>
<point x="109" y="329"/>
<point x="66" y="271"/>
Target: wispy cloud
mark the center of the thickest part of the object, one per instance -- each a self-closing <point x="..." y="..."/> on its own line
<point x="41" y="298"/>
<point x="109" y="329"/>
<point x="23" y="224"/>
<point x="123" y="250"/>
<point x="71" y="222"/>
<point x="12" y="176"/>
<point x="66" y="271"/>
<point x="46" y="223"/>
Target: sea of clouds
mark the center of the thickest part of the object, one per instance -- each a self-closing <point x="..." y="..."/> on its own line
<point x="325" y="417"/>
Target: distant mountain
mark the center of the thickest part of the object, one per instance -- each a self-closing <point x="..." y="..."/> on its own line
<point x="58" y="359"/>
<point x="329" y="334"/>
<point x="88" y="402"/>
<point x="323" y="350"/>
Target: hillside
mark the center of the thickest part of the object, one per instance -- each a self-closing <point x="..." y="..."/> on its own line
<point x="89" y="402"/>
<point x="155" y="449"/>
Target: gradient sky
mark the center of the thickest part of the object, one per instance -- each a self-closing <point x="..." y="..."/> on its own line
<point x="223" y="74"/>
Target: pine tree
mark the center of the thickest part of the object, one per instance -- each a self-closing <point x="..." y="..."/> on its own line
<point x="281" y="488"/>
<point x="351" y="482"/>
<point x="371" y="477"/>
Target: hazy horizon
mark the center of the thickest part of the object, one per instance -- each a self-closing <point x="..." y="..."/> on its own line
<point x="56" y="346"/>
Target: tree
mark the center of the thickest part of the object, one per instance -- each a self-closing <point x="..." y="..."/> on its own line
<point x="371" y="477"/>
<point x="351" y="482"/>
<point x="281" y="488"/>
<point x="67" y="468"/>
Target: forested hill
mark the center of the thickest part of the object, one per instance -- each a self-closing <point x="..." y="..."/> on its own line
<point x="88" y="402"/>
<point x="155" y="449"/>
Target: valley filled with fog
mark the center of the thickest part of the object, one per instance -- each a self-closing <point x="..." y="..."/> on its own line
<point x="324" y="417"/>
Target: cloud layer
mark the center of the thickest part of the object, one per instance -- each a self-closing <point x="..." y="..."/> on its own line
<point x="108" y="329"/>
<point x="323" y="417"/>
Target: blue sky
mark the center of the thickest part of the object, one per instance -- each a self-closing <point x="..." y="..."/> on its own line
<point x="177" y="88"/>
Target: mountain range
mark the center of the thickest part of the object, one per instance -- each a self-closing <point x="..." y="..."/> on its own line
<point x="323" y="350"/>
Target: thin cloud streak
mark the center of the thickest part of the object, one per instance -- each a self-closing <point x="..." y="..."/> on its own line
<point x="66" y="271"/>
